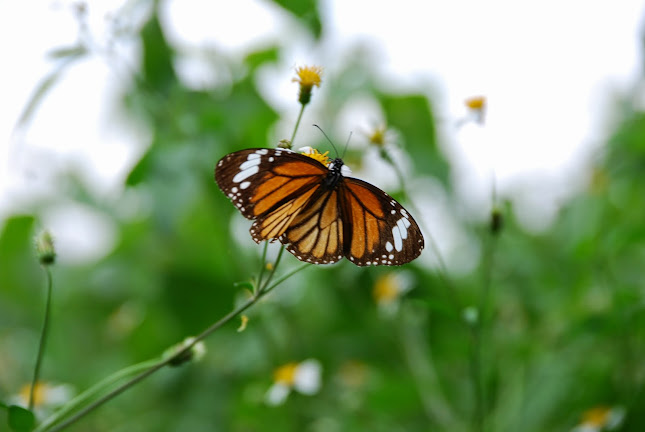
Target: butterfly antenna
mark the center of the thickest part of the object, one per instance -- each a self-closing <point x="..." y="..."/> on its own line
<point x="330" y="142"/>
<point x="347" y="144"/>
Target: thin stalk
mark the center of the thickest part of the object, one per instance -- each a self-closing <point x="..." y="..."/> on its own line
<point x="295" y="129"/>
<point x="43" y="339"/>
<point x="95" y="389"/>
<point x="443" y="268"/>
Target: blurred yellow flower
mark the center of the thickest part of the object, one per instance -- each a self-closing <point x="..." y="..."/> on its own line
<point x="315" y="154"/>
<point x="304" y="377"/>
<point x="477" y="106"/>
<point x="390" y="286"/>
<point x="307" y="77"/>
<point x="47" y="396"/>
<point x="476" y="103"/>
<point x="378" y="136"/>
<point x="600" y="418"/>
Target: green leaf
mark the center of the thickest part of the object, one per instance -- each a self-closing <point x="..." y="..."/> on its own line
<point x="258" y="58"/>
<point x="412" y="116"/>
<point x="307" y="11"/>
<point x="157" y="69"/>
<point x="21" y="419"/>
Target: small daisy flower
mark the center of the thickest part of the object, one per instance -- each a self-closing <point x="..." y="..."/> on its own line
<point x="315" y="154"/>
<point x="304" y="377"/>
<point x="601" y="418"/>
<point x="47" y="397"/>
<point x="381" y="136"/>
<point x="477" y="106"/>
<point x="307" y="77"/>
<point x="389" y="288"/>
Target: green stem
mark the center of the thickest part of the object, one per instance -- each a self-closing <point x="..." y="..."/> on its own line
<point x="295" y="129"/>
<point x="43" y="339"/>
<point x="443" y="268"/>
<point x="94" y="390"/>
<point x="262" y="268"/>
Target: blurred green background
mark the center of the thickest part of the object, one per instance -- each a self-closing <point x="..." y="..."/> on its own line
<point x="562" y="329"/>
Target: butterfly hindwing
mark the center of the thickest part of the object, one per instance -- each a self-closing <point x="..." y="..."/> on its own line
<point x="382" y="231"/>
<point x="316" y="233"/>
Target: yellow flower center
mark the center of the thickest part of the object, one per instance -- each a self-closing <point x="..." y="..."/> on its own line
<point x="320" y="157"/>
<point x="597" y="416"/>
<point x="386" y="288"/>
<point x="378" y="136"/>
<point x="286" y="374"/>
<point x="476" y="103"/>
<point x="308" y="76"/>
<point x="39" y="393"/>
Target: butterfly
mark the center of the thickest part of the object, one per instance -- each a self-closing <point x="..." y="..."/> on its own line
<point x="321" y="215"/>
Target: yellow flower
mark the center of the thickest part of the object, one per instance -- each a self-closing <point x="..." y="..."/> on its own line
<point x="600" y="418"/>
<point x="477" y="106"/>
<point x="47" y="396"/>
<point x="315" y="154"/>
<point x="307" y="77"/>
<point x="476" y="103"/>
<point x="303" y="377"/>
<point x="389" y="288"/>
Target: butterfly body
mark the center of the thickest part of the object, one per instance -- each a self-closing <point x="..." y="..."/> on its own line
<point x="321" y="215"/>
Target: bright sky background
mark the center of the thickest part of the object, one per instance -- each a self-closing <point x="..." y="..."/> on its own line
<point x="548" y="68"/>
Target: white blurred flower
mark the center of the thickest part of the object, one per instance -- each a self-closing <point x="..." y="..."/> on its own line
<point x="47" y="397"/>
<point x="389" y="288"/>
<point x="304" y="377"/>
<point x="600" y="418"/>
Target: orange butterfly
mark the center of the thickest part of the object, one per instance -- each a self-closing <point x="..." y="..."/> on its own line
<point x="320" y="214"/>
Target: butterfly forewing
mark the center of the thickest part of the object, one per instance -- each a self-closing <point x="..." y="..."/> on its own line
<point x="259" y="181"/>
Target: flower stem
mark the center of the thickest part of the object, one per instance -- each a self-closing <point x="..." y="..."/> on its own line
<point x="95" y="389"/>
<point x="43" y="339"/>
<point x="295" y="129"/>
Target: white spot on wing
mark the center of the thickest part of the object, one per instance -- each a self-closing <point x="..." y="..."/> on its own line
<point x="398" y="240"/>
<point x="388" y="247"/>
<point x="245" y="185"/>
<point x="261" y="152"/>
<point x="250" y="163"/>
<point x="403" y="229"/>
<point x="242" y="175"/>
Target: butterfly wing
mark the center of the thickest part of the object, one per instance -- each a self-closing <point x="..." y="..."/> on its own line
<point x="379" y="231"/>
<point x="316" y="234"/>
<point x="270" y="186"/>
